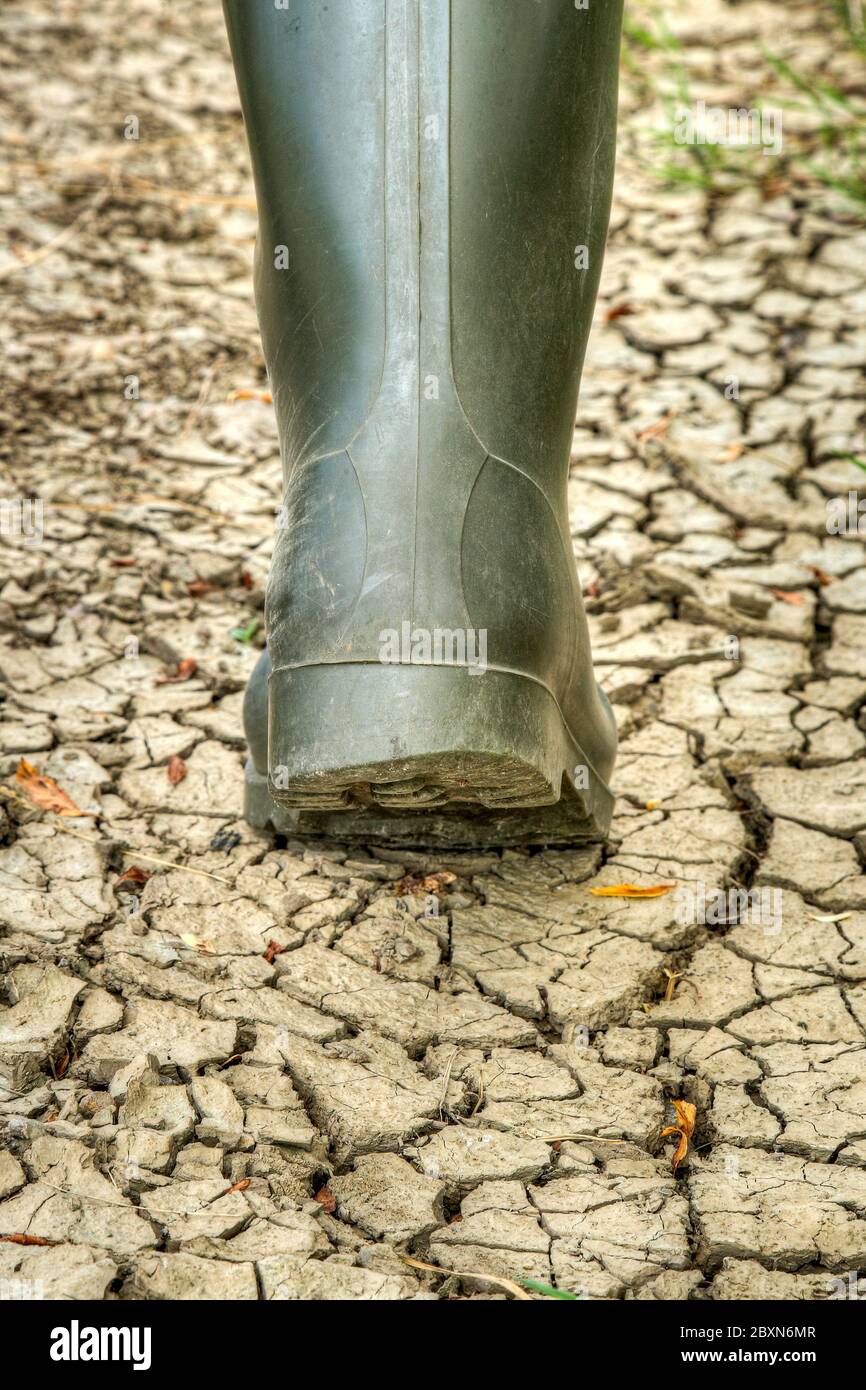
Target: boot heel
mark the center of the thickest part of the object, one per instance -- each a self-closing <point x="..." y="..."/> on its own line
<point x="410" y="738"/>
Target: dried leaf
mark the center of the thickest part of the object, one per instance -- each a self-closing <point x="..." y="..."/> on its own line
<point x="247" y="580"/>
<point x="272" y="949"/>
<point x="264" y="397"/>
<point x="186" y="669"/>
<point x="238" y="1187"/>
<point x="18" y="1239"/>
<point x="630" y="890"/>
<point x="788" y="596"/>
<point x="327" y="1200"/>
<point x="61" y="1066"/>
<point x="619" y="311"/>
<point x="204" y="948"/>
<point x="45" y="793"/>
<point x="674" y="976"/>
<point x="822" y="576"/>
<point x="133" y="875"/>
<point x="774" y="188"/>
<point x="732" y="453"/>
<point x="123" y="562"/>
<point x="433" y="883"/>
<point x="197" y="588"/>
<point x="659" y="429"/>
<point x="651" y="805"/>
<point x="177" y="769"/>
<point x="831" y="917"/>
<point x="687" y="1115"/>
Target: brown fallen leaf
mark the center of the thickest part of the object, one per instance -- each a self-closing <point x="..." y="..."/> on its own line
<point x="326" y="1200"/>
<point x="18" y="1239"/>
<point x="177" y="769"/>
<point x="45" y="793"/>
<point x="822" y="576"/>
<point x="774" y="188"/>
<point x="787" y="596"/>
<point x="186" y="669"/>
<point x="659" y="429"/>
<point x="619" y="311"/>
<point x="133" y="875"/>
<point x="264" y="397"/>
<point x="61" y="1066"/>
<point x="630" y="890"/>
<point x="123" y="562"/>
<point x="197" y="588"/>
<point x="238" y="1187"/>
<point x="272" y="949"/>
<point x="247" y="580"/>
<point x="687" y="1115"/>
<point x="433" y="883"/>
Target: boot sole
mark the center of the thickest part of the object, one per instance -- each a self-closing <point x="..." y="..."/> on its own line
<point x="434" y="755"/>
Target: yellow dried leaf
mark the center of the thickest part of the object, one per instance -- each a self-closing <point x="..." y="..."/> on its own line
<point x="264" y="397"/>
<point x="732" y="453"/>
<point x="687" y="1115"/>
<point x="205" y="948"/>
<point x="631" y="890"/>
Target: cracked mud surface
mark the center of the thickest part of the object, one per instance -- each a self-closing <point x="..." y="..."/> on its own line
<point x="266" y="1073"/>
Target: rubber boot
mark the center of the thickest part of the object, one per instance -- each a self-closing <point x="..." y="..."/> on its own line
<point x="434" y="182"/>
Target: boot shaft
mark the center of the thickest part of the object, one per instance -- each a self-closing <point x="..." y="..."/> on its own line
<point x="434" y="181"/>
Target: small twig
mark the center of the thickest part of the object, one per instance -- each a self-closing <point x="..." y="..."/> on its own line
<point x="507" y="1284"/>
<point x="169" y="503"/>
<point x="179" y="195"/>
<point x="480" y="1100"/>
<point x="171" y="864"/>
<point x="112" y="154"/>
<point x="32" y="258"/>
<point x="674" y="979"/>
<point x="204" y="392"/>
<point x="107" y="844"/>
<point x="446" y="1081"/>
<point x="578" y="1138"/>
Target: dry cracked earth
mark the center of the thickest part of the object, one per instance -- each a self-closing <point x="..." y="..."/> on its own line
<point x="273" y="1070"/>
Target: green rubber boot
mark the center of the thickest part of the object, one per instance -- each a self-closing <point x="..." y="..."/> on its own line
<point x="434" y="182"/>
